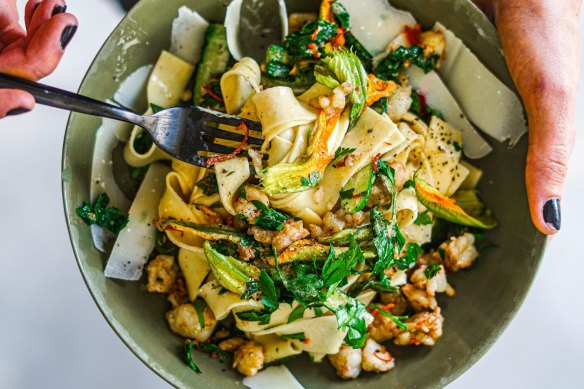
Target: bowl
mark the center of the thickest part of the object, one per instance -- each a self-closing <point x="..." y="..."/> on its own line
<point x="488" y="296"/>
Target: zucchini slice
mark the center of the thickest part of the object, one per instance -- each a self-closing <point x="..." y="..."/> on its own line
<point x="213" y="60"/>
<point x="208" y="232"/>
<point x="356" y="192"/>
<point x="343" y="238"/>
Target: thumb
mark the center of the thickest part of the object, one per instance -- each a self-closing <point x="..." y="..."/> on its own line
<point x="551" y="136"/>
<point x="544" y="64"/>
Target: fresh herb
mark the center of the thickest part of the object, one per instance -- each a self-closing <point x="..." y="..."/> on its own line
<point x="423" y="219"/>
<point x="318" y="311"/>
<point x="100" y="214"/>
<point x="297" y="313"/>
<point x="456" y="146"/>
<point x="351" y="317"/>
<point x="270" y="295"/>
<point x="260" y="316"/>
<point x="163" y="245"/>
<point x="341" y="14"/>
<point x="269" y="218"/>
<point x="200" y="306"/>
<point x="409" y="184"/>
<point x="277" y="69"/>
<point x="341" y="153"/>
<point x="212" y="96"/>
<point x="187" y="353"/>
<point x="277" y="53"/>
<point x="396" y="319"/>
<point x="423" y="110"/>
<point x="410" y="258"/>
<point x="395" y="62"/>
<point x="296" y="336"/>
<point x="381" y="106"/>
<point x="223" y="291"/>
<point x="312" y="180"/>
<point x="306" y="288"/>
<point x="138" y="173"/>
<point x="155" y="108"/>
<point x="310" y="39"/>
<point x="432" y="270"/>
<point x="209" y="185"/>
<point x="336" y="270"/>
<point x="441" y="253"/>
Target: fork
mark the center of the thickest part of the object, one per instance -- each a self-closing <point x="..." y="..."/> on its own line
<point x="182" y="132"/>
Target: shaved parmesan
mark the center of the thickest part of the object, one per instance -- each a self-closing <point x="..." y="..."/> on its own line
<point x="375" y="23"/>
<point x="188" y="35"/>
<point x="438" y="97"/>
<point x="273" y="377"/>
<point x="488" y="103"/>
<point x="135" y="242"/>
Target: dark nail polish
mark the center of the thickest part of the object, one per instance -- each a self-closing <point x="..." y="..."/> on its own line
<point x="68" y="33"/>
<point x="59" y="10"/>
<point x="552" y="214"/>
<point x="17" y="111"/>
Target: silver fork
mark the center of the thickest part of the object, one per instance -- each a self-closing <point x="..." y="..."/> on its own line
<point x="185" y="133"/>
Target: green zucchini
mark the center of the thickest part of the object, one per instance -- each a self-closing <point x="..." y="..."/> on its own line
<point x="343" y="238"/>
<point x="213" y="60"/>
<point x="231" y="273"/>
<point x="356" y="192"/>
<point x="208" y="231"/>
<point x="306" y="250"/>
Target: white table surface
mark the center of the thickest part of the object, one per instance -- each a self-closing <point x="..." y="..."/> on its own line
<point x="53" y="336"/>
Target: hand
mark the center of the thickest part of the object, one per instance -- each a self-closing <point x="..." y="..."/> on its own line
<point x="34" y="53"/>
<point x="540" y="39"/>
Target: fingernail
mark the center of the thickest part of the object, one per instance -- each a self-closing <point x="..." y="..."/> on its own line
<point x="552" y="214"/>
<point x="68" y="33"/>
<point x="59" y="10"/>
<point x="17" y="111"/>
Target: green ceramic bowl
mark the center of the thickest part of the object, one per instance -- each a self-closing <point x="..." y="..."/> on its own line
<point x="488" y="296"/>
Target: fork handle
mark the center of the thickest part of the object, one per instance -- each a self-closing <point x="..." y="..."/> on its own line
<point x="70" y="101"/>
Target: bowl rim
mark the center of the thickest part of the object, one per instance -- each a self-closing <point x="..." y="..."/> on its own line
<point x="539" y="244"/>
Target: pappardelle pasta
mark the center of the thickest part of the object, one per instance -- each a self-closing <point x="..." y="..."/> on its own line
<point x="337" y="234"/>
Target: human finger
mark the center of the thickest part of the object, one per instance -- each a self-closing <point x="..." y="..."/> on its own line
<point x="545" y="68"/>
<point x="15" y="102"/>
<point x="10" y="30"/>
<point x="43" y="12"/>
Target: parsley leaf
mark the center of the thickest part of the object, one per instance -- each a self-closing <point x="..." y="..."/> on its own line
<point x="297" y="313"/>
<point x="260" y="316"/>
<point x="209" y="185"/>
<point x="409" y="184"/>
<point x="432" y="270"/>
<point x="351" y="317"/>
<point x="206" y="347"/>
<point x="336" y="270"/>
<point x="312" y="180"/>
<point x="341" y="153"/>
<point x="396" y="319"/>
<point x="270" y="295"/>
<point x="102" y="215"/>
<point x="424" y="111"/>
<point x="296" y="336"/>
<point x="306" y="288"/>
<point x="187" y="349"/>
<point x="423" y="219"/>
<point x="200" y="309"/>
<point x="269" y="219"/>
